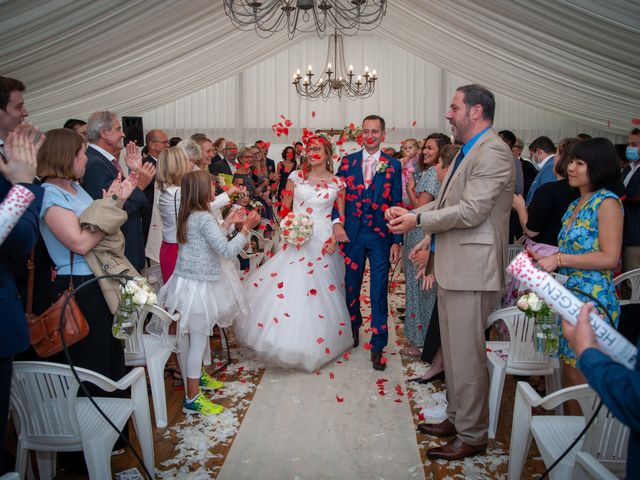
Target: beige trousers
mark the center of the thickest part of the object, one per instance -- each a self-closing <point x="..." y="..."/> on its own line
<point x="463" y="316"/>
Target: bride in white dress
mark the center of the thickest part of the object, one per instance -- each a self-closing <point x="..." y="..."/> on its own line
<point x="299" y="316"/>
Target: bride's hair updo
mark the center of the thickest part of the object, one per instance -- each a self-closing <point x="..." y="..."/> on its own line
<point x="325" y="143"/>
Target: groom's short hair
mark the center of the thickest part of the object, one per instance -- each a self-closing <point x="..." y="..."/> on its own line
<point x="375" y="117"/>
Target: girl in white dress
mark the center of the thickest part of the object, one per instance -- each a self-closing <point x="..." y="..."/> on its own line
<point x="198" y="287"/>
<point x="299" y="316"/>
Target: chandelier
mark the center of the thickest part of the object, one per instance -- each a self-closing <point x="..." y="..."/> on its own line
<point x="270" y="16"/>
<point x="337" y="80"/>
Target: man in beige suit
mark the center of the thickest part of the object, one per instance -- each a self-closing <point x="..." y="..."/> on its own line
<point x="469" y="220"/>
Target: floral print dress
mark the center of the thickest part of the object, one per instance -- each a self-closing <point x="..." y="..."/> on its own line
<point x="582" y="237"/>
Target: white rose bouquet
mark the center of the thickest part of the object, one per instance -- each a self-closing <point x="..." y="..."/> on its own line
<point x="546" y="332"/>
<point x="296" y="228"/>
<point x="133" y="295"/>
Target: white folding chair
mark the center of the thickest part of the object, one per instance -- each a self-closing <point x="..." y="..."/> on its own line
<point x="605" y="440"/>
<point x="633" y="279"/>
<point x="521" y="359"/>
<point x="143" y="349"/>
<point x="52" y="418"/>
<point x="587" y="467"/>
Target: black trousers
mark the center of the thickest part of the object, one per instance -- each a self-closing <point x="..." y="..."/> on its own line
<point x="432" y="338"/>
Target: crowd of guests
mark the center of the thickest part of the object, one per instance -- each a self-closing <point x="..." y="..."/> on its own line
<point x="577" y="205"/>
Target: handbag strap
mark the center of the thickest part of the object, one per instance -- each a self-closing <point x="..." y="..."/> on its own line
<point x="31" y="266"/>
<point x="71" y="254"/>
<point x="175" y="205"/>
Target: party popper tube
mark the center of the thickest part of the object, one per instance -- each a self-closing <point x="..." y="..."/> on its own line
<point x="568" y="306"/>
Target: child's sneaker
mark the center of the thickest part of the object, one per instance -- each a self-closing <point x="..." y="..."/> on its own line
<point x="207" y="382"/>
<point x="201" y="405"/>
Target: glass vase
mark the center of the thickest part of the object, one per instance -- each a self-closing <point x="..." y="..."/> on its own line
<point x="546" y="334"/>
<point x="125" y="318"/>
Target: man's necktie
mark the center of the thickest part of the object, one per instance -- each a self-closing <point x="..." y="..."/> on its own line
<point x="116" y="164"/>
<point x="368" y="170"/>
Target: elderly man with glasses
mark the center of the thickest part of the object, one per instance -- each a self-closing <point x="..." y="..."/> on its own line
<point x="228" y="163"/>
<point x="156" y="142"/>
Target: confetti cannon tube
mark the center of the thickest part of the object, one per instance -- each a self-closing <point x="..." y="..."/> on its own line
<point x="568" y="306"/>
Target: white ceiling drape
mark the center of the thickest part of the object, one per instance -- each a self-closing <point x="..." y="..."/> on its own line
<point x="576" y="58"/>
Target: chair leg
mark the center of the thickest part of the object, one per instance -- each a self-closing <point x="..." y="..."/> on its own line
<point x="98" y="460"/>
<point x="142" y="423"/>
<point x="520" y="436"/>
<point x="155" y="367"/>
<point x="46" y="464"/>
<point x="496" y="385"/>
<point x="21" y="459"/>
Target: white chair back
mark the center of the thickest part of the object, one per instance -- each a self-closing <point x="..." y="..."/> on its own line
<point x="513" y="250"/>
<point x="606" y="440"/>
<point x="632" y="277"/>
<point x="522" y="353"/>
<point x="43" y="396"/>
<point x="134" y="350"/>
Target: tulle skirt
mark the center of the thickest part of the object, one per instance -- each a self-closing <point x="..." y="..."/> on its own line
<point x="203" y="304"/>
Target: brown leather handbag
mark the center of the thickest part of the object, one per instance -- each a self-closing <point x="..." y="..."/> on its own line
<point x="44" y="329"/>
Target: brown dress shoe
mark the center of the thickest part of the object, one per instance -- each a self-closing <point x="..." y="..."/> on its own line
<point x="443" y="429"/>
<point x="456" y="449"/>
<point x="376" y="361"/>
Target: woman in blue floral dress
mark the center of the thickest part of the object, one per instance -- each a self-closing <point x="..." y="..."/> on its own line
<point x="422" y="188"/>
<point x="590" y="239"/>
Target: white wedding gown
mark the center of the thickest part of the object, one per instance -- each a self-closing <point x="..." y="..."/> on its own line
<point x="299" y="316"/>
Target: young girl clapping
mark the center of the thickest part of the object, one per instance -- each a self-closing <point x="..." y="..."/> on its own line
<point x="197" y="288"/>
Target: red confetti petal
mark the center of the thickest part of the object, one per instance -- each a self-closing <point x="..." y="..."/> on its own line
<point x="313" y="114"/>
<point x="331" y="376"/>
<point x="332" y="288"/>
<point x="280" y="296"/>
<point x="367" y="346"/>
<point x="313" y="291"/>
<point x="319" y="340"/>
<point x="339" y="399"/>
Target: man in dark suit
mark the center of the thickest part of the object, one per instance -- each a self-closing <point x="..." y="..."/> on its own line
<point x="105" y="136"/>
<point x="529" y="171"/>
<point x="373" y="184"/>
<point x="156" y="142"/>
<point x="228" y="164"/>
<point x="541" y="151"/>
<point x="218" y="146"/>
<point x="631" y="180"/>
<point x="21" y="239"/>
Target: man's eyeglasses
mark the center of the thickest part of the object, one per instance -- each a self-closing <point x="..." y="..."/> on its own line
<point x="166" y="142"/>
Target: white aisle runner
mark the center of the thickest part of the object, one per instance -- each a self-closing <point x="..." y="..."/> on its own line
<point x="347" y="422"/>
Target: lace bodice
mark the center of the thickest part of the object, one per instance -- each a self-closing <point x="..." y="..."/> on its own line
<point x="315" y="200"/>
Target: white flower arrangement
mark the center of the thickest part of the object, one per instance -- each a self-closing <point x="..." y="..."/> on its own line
<point x="133" y="295"/>
<point x="533" y="305"/>
<point x="296" y="228"/>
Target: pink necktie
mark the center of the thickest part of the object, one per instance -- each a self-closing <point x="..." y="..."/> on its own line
<point x="368" y="170"/>
<point x="116" y="164"/>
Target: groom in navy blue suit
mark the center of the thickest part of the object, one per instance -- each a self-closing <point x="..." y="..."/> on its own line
<point x="373" y="184"/>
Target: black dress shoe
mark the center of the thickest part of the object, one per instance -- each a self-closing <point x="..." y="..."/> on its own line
<point x="356" y="336"/>
<point x="424" y="381"/>
<point x="376" y="361"/>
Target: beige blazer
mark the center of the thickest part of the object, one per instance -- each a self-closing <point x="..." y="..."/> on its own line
<point x="470" y="218"/>
<point x="108" y="255"/>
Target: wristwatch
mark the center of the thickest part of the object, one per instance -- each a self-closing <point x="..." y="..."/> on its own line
<point x="418" y="219"/>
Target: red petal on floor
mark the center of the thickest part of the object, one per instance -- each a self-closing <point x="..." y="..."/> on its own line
<point x="383" y="360"/>
<point x="346" y="355"/>
<point x="320" y="316"/>
<point x="342" y="324"/>
<point x="260" y="325"/>
<point x="280" y="296"/>
<point x="339" y="399"/>
<point x="313" y="291"/>
<point x="327" y="351"/>
<point x="397" y="400"/>
<point x="287" y="315"/>
<point x="275" y="319"/>
<point x="319" y="340"/>
<point x="339" y="332"/>
<point x="331" y="376"/>
<point x="274" y="274"/>
<point x="280" y="284"/>
<point x="367" y="346"/>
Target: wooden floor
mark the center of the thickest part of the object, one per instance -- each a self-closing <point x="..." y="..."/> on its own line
<point x="186" y="450"/>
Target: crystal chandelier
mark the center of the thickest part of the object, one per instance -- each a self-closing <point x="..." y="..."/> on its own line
<point x="337" y="80"/>
<point x="270" y="16"/>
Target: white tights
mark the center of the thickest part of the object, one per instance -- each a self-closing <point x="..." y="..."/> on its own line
<point x="194" y="344"/>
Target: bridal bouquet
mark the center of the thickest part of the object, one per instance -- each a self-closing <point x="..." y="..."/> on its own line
<point x="133" y="295"/>
<point x="296" y="228"/>
<point x="545" y="332"/>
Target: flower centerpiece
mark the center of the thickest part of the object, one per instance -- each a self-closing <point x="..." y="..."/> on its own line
<point x="296" y="228"/>
<point x="351" y="133"/>
<point x="134" y="294"/>
<point x="546" y="331"/>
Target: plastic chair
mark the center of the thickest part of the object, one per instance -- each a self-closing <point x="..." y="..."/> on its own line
<point x="255" y="257"/>
<point x="605" y="440"/>
<point x="522" y="359"/>
<point x="513" y="250"/>
<point x="52" y="418"/>
<point x="144" y="349"/>
<point x="587" y="467"/>
<point x="153" y="274"/>
<point x="633" y="278"/>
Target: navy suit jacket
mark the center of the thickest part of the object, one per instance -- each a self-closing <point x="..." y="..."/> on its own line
<point x="20" y="242"/>
<point x="631" y="235"/>
<point x="271" y="165"/>
<point x="362" y="211"/>
<point x="99" y="174"/>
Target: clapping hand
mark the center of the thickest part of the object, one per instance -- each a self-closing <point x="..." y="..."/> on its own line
<point x="236" y="216"/>
<point x="132" y="157"/>
<point x="121" y="189"/>
<point x="145" y="175"/>
<point x="252" y="220"/>
<point x="21" y="153"/>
